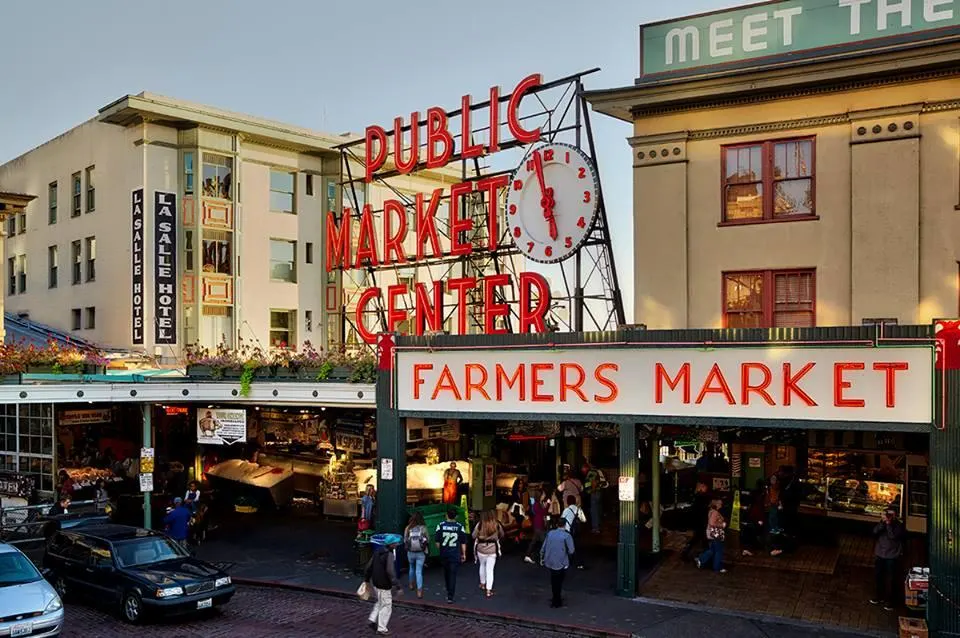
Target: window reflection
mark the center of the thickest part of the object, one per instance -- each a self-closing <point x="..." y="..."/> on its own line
<point x="216" y="257"/>
<point x="217" y="176"/>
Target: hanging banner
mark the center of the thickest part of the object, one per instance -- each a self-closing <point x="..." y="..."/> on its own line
<point x="165" y="267"/>
<point x="136" y="214"/>
<point x="221" y="427"/>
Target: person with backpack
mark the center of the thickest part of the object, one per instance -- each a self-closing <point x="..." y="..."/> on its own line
<point x="451" y="539"/>
<point x="572" y="517"/>
<point x="415" y="541"/>
<point x="594" y="484"/>
<point x="381" y="572"/>
<point x="486" y="548"/>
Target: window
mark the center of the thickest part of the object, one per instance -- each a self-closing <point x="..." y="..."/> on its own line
<point x="309" y="185"/>
<point x="91" y="189"/>
<point x="91" y="314"/>
<point x="308" y="320"/>
<point x="75" y="315"/>
<point x="281" y="191"/>
<point x="11" y="225"/>
<point x="188" y="173"/>
<point x="52" y="203"/>
<point x="76" y="195"/>
<point x="26" y="442"/>
<point x="283" y="325"/>
<point x="217" y="176"/>
<point x="188" y="251"/>
<point x="769" y="299"/>
<point x="308" y="257"/>
<point x="407" y="277"/>
<point x="21" y="223"/>
<point x="53" y="263"/>
<point x="768" y="181"/>
<point x="12" y="276"/>
<point x="75" y="260"/>
<point x="217" y="256"/>
<point x="22" y="273"/>
<point x="283" y="260"/>
<point x="91" y="258"/>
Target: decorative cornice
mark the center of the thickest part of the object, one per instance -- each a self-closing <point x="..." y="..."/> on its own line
<point x="770" y="127"/>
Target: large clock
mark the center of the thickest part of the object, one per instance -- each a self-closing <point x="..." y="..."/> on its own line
<point x="552" y="202"/>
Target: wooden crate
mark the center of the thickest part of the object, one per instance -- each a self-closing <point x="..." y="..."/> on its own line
<point x="913" y="628"/>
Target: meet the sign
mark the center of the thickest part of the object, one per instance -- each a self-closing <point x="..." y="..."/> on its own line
<point x="892" y="385"/>
<point x="136" y="214"/>
<point x="221" y="427"/>
<point x="789" y="30"/>
<point x="165" y="275"/>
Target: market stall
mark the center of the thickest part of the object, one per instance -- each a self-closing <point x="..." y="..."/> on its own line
<point x="250" y="485"/>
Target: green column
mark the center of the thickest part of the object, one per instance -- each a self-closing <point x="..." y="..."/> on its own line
<point x="655" y="495"/>
<point x="391" y="444"/>
<point x="627" y="545"/>
<point x="147" y="442"/>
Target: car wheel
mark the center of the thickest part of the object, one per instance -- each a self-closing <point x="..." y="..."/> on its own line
<point x="60" y="586"/>
<point x="132" y="607"/>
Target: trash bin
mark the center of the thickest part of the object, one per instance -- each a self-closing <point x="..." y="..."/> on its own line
<point x="433" y="515"/>
<point x="363" y="544"/>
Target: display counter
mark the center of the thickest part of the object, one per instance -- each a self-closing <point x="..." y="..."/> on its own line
<point x="308" y="468"/>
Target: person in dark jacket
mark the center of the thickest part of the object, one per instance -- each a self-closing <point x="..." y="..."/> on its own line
<point x="890" y="534"/>
<point x="555" y="555"/>
<point x="451" y="540"/>
<point x="699" y="511"/>
<point x="381" y="572"/>
<point x="177" y="522"/>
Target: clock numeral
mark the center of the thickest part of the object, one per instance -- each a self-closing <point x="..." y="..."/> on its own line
<point x="548" y="155"/>
<point x="513" y="209"/>
<point x="568" y="242"/>
<point x="582" y="174"/>
<point x="568" y="157"/>
<point x="586" y="196"/>
<point x="582" y="223"/>
<point x="531" y="166"/>
<point x="548" y="251"/>
<point x="516" y="231"/>
<point x="517" y="184"/>
<point x="529" y="246"/>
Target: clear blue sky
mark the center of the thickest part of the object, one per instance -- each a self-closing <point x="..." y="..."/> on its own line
<point x="322" y="64"/>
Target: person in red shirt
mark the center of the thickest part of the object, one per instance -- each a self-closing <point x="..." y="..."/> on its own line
<point x="538" y="517"/>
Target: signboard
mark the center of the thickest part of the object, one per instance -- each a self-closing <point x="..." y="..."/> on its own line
<point x="146" y="482"/>
<point x="628" y="492"/>
<point x="947" y="334"/>
<point x="146" y="460"/>
<point x="488" y="476"/>
<point x="416" y="143"/>
<point x="892" y="385"/>
<point x="770" y="32"/>
<point x="136" y="214"/>
<point x="386" y="469"/>
<point x="165" y="267"/>
<point x="82" y="417"/>
<point x="347" y="442"/>
<point x="754" y="461"/>
<point x="221" y="427"/>
<point x="721" y="484"/>
<point x="16" y="485"/>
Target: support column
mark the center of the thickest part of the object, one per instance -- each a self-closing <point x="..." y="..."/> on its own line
<point x="392" y="445"/>
<point x="655" y="491"/>
<point x="147" y="410"/>
<point x="627" y="544"/>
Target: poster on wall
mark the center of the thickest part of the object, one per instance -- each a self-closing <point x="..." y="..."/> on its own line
<point x="136" y="214"/>
<point x="83" y="417"/>
<point x="165" y="267"/>
<point x="347" y="442"/>
<point x="488" y="480"/>
<point x="221" y="427"/>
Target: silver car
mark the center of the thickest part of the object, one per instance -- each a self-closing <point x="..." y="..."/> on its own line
<point x="28" y="604"/>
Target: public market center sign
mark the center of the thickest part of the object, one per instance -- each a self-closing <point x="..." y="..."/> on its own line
<point x="891" y="385"/>
<point x="787" y="30"/>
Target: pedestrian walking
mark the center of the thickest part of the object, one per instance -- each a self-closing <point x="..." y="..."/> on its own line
<point x="539" y="513"/>
<point x="571" y="486"/>
<point x="177" y="522"/>
<point x="890" y="534"/>
<point x="451" y="538"/>
<point x="774" y="505"/>
<point x="486" y="548"/>
<point x="594" y="484"/>
<point x="555" y="555"/>
<point x="699" y="511"/>
<point x="416" y="542"/>
<point x="571" y="518"/>
<point x="381" y="572"/>
<point x="367" y="502"/>
<point x="716" y="533"/>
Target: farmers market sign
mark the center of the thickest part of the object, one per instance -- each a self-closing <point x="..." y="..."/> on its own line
<point x="790" y="30"/>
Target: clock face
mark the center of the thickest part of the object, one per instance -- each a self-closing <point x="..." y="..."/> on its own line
<point x="552" y="202"/>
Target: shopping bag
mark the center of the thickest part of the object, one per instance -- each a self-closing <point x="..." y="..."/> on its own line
<point x="363" y="591"/>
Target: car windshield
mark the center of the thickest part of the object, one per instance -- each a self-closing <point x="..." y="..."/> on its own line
<point x="16" y="569"/>
<point x="146" y="551"/>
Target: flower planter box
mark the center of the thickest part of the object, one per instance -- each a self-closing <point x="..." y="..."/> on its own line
<point x="200" y="372"/>
<point x="44" y="369"/>
<point x="285" y="374"/>
<point x="10" y="379"/>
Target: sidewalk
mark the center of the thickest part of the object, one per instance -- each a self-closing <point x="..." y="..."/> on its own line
<point x="317" y="555"/>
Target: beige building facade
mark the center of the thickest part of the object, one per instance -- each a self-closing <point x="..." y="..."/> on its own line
<point x="795" y="192"/>
<point x="251" y="201"/>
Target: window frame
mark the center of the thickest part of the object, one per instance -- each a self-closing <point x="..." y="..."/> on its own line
<point x="76" y="262"/>
<point x="76" y="195"/>
<point x="21" y="222"/>
<point x="53" y="199"/>
<point x="76" y="318"/>
<point x="291" y="328"/>
<point x="767" y="301"/>
<point x="90" y="318"/>
<point x="90" y="248"/>
<point x="22" y="273"/>
<point x="53" y="267"/>
<point x="91" y="192"/>
<point x="768" y="181"/>
<point x="294" y="271"/>
<point x="293" y="193"/>
<point x="11" y="275"/>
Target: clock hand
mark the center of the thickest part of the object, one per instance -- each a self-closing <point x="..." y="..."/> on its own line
<point x="546" y="201"/>
<point x="538" y="169"/>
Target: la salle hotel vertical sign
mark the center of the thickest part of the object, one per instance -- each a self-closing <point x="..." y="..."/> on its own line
<point x="165" y="272"/>
<point x="136" y="211"/>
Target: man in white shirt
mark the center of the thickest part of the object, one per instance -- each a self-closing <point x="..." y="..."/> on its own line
<point x="572" y="516"/>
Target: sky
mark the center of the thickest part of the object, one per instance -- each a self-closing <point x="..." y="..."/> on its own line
<point x="325" y="65"/>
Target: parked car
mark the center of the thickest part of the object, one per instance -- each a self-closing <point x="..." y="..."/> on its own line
<point x="28" y="604"/>
<point x="140" y="572"/>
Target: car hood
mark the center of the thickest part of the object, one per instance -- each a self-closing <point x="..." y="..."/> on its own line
<point x="25" y="599"/>
<point x="177" y="572"/>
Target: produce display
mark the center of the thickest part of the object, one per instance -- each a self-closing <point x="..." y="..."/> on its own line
<point x="88" y="476"/>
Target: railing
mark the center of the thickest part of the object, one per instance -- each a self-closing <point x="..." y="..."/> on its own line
<point x="25" y="523"/>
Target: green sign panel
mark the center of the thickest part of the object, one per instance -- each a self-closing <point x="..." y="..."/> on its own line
<point x="789" y="29"/>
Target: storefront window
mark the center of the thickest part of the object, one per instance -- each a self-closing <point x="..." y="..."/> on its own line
<point x="217" y="176"/>
<point x="26" y="442"/>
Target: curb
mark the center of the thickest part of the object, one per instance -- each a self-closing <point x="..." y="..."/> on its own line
<point x="446" y="610"/>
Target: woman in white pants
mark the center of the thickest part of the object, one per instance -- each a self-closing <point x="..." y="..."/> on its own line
<point x="486" y="548"/>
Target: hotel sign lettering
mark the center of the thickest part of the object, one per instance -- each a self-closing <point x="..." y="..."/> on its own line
<point x="136" y="211"/>
<point x="892" y="385"/>
<point x="165" y="274"/>
<point x="789" y="29"/>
